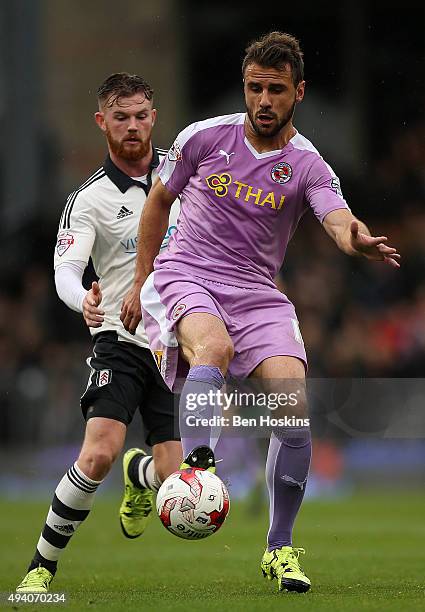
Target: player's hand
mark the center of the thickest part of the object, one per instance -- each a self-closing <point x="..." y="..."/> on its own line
<point x="93" y="315"/>
<point x="131" y="312"/>
<point x="373" y="247"/>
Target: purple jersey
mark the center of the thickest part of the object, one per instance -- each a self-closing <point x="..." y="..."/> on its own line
<point x="240" y="208"/>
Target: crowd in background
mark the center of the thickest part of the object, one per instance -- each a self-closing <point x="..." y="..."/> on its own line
<point x="358" y="319"/>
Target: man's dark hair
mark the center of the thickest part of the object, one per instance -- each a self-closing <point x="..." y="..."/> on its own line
<point x="276" y="50"/>
<point x="122" y="85"/>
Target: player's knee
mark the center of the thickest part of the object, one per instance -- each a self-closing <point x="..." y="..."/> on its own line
<point x="97" y="462"/>
<point x="217" y="352"/>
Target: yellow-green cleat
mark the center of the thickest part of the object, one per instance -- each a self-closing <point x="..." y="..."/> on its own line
<point x="36" y="581"/>
<point x="137" y="503"/>
<point x="283" y="564"/>
<point x="201" y="457"/>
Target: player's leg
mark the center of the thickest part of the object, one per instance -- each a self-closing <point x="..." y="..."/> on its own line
<point x="103" y="441"/>
<point x="144" y="474"/>
<point x="206" y="345"/>
<point x="167" y="458"/>
<point x="73" y="499"/>
<point x="186" y="326"/>
<point x="288" y="463"/>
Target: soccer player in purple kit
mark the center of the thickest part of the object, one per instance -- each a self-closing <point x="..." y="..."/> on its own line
<point x="211" y="303"/>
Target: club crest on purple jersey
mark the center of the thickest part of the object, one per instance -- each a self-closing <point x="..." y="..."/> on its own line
<point x="281" y="173"/>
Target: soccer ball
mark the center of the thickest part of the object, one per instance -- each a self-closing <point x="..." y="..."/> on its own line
<point x="192" y="503"/>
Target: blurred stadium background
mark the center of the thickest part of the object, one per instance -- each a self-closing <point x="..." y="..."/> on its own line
<point x="364" y="110"/>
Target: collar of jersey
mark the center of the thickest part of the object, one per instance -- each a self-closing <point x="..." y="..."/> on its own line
<point x="286" y="149"/>
<point x="122" y="180"/>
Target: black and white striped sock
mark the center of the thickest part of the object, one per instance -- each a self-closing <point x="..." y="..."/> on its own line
<point x="71" y="505"/>
<point x="141" y="471"/>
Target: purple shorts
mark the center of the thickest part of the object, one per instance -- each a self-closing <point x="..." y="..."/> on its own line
<point x="261" y="322"/>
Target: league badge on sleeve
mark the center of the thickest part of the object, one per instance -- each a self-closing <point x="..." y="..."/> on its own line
<point x="174" y="154"/>
<point x="336" y="186"/>
<point x="65" y="240"/>
<point x="281" y="173"/>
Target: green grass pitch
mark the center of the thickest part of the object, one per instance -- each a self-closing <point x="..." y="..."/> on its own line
<point x="363" y="553"/>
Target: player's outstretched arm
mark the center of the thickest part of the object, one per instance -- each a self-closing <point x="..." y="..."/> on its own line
<point x="152" y="227"/>
<point x="353" y="237"/>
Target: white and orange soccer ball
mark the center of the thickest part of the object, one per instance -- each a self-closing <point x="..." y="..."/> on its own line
<point x="192" y="503"/>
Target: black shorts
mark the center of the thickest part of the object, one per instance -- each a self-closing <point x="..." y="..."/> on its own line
<point x="125" y="377"/>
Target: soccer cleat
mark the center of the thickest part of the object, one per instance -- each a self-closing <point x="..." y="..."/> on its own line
<point x="282" y="563"/>
<point x="36" y="581"/>
<point x="137" y="503"/>
<point x="201" y="457"/>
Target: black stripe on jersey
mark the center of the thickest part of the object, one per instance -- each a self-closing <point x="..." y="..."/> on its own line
<point x="67" y="221"/>
<point x="55" y="539"/>
<point x="66" y="215"/>
<point x="69" y="514"/>
<point x="71" y="196"/>
<point x="66" y="205"/>
<point x="80" y="482"/>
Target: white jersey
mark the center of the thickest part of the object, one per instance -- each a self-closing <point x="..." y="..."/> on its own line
<point x="101" y="220"/>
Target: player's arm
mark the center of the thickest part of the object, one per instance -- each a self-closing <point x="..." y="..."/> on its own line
<point x="70" y="289"/>
<point x="152" y="228"/>
<point x="353" y="237"/>
<point x="75" y="241"/>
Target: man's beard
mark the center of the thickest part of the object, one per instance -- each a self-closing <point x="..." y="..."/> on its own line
<point x="280" y="125"/>
<point x="133" y="153"/>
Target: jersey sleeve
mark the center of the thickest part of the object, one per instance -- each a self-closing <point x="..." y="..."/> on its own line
<point x="323" y="190"/>
<point x="77" y="232"/>
<point x="181" y="161"/>
<point x="68" y="281"/>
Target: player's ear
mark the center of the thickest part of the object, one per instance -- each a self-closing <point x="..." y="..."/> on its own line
<point x="99" y="117"/>
<point x="300" y="91"/>
<point x="153" y="116"/>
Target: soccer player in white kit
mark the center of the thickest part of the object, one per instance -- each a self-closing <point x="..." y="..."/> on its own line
<point x="100" y="221"/>
<point x="210" y="306"/>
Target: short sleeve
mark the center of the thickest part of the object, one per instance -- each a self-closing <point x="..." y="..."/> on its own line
<point x="77" y="233"/>
<point x="181" y="161"/>
<point x="323" y="190"/>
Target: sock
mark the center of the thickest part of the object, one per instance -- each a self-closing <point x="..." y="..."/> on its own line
<point x="141" y="471"/>
<point x="205" y="380"/>
<point x="71" y="505"/>
<point x="288" y="463"/>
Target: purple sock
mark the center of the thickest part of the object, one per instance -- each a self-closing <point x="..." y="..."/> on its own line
<point x="198" y="400"/>
<point x="288" y="463"/>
